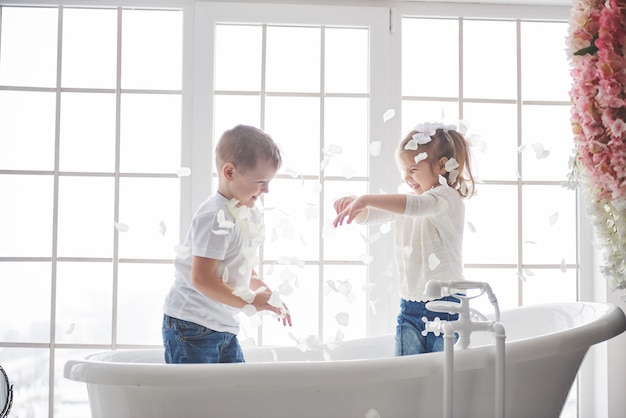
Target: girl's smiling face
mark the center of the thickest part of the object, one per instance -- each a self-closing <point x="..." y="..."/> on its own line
<point x="249" y="185"/>
<point x="420" y="176"/>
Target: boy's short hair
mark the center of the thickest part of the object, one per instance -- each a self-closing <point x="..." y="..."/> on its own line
<point x="244" y="146"/>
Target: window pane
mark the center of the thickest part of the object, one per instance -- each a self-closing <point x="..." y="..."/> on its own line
<point x="487" y="74"/>
<point x="89" y="48"/>
<point x="345" y="303"/>
<point x="430" y="64"/>
<point x="346" y="60"/>
<point x="86" y="219"/>
<point x="548" y="142"/>
<point x="414" y="112"/>
<point x="503" y="282"/>
<point x="20" y="136"/>
<point x="550" y="286"/>
<point x="290" y="51"/>
<point x="230" y="111"/>
<point x="70" y="397"/>
<point x="26" y="216"/>
<point x="142" y="289"/>
<point x="150" y="133"/>
<point x="291" y="225"/>
<point x="238" y="57"/>
<point x="495" y="153"/>
<point x="28" y="371"/>
<point x="84" y="300"/>
<point x="87" y="132"/>
<point x="303" y="304"/>
<point x="150" y="209"/>
<point x="152" y="43"/>
<point x="348" y="242"/>
<point x="298" y="134"/>
<point x="489" y="238"/>
<point x="549" y="228"/>
<point x="544" y="71"/>
<point x="24" y="322"/>
<point x="29" y="46"/>
<point x="346" y="122"/>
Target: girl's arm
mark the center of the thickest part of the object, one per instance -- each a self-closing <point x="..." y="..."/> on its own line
<point x="394" y="203"/>
<point x="208" y="282"/>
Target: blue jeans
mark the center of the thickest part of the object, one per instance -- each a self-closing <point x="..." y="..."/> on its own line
<point x="409" y="338"/>
<point x="187" y="342"/>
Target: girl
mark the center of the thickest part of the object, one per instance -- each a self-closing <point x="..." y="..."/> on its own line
<point x="435" y="162"/>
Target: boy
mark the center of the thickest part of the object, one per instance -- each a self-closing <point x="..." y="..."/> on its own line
<point x="217" y="280"/>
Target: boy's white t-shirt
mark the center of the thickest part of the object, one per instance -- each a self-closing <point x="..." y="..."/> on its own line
<point x="428" y="239"/>
<point x="224" y="232"/>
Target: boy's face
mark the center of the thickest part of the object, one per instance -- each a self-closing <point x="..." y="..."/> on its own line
<point x="248" y="186"/>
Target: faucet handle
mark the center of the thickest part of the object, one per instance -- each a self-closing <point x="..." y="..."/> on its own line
<point x="436" y="326"/>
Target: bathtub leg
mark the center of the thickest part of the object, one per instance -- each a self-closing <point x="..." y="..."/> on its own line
<point x="448" y="369"/>
<point x="500" y="367"/>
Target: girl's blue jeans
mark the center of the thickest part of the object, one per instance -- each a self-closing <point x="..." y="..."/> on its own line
<point x="188" y="342"/>
<point x="409" y="338"/>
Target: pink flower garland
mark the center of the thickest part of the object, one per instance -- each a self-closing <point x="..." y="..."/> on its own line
<point x="596" y="49"/>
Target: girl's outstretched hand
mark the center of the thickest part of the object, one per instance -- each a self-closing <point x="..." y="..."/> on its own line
<point x="349" y="211"/>
<point x="342" y="202"/>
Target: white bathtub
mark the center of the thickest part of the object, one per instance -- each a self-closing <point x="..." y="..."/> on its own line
<point x="545" y="347"/>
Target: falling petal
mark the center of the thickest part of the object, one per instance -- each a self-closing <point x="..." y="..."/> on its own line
<point x="442" y="180"/>
<point x="121" y="227"/>
<point x="275" y="300"/>
<point x="183" y="172"/>
<point x="344" y="288"/>
<point x="372" y="305"/>
<point x="182" y="251"/>
<point x="453" y="175"/>
<point x="220" y="231"/>
<point x="348" y="172"/>
<point x="245" y="294"/>
<point x="343" y="319"/>
<point x="225" y="275"/>
<point x="249" y="310"/>
<point x="326" y="355"/>
<point x="406" y="251"/>
<point x="335" y="149"/>
<point x="375" y="148"/>
<point x="421" y="156"/>
<point x="373" y="237"/>
<point x="372" y="413"/>
<point x="540" y="152"/>
<point x="451" y="164"/>
<point x="162" y="228"/>
<point x="70" y="329"/>
<point x="285" y="288"/>
<point x="385" y="228"/>
<point x="563" y="266"/>
<point x="473" y="140"/>
<point x="521" y="277"/>
<point x="464" y="126"/>
<point x="291" y="172"/>
<point x="528" y="272"/>
<point x="366" y="258"/>
<point x="411" y="145"/>
<point x="471" y="227"/>
<point x="222" y="222"/>
<point x="324" y="163"/>
<point x="553" y="218"/>
<point x="313" y="343"/>
<point x="388" y="115"/>
<point x="433" y="261"/>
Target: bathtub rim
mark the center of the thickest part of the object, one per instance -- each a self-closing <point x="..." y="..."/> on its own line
<point x="606" y="325"/>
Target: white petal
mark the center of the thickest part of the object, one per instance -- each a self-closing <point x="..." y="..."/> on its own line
<point x="411" y="145"/>
<point x="162" y="228"/>
<point x="421" y="156"/>
<point x="453" y="175"/>
<point x="70" y="329"/>
<point x="182" y="251"/>
<point x="366" y="258"/>
<point x="245" y="294"/>
<point x="121" y="227"/>
<point x="225" y="275"/>
<point x="451" y="164"/>
<point x="372" y="305"/>
<point x="348" y="172"/>
<point x="343" y="319"/>
<point x="291" y="172"/>
<point x="222" y="222"/>
<point x="553" y="218"/>
<point x="183" y="172"/>
<point x="528" y="272"/>
<point x="375" y="148"/>
<point x="324" y="163"/>
<point x="220" y="231"/>
<point x="433" y="261"/>
<point x="249" y="310"/>
<point x="285" y="288"/>
<point x="335" y="149"/>
<point x="385" y="228"/>
<point x="471" y="227"/>
<point x="442" y="180"/>
<point x="389" y="114"/>
<point x="344" y="288"/>
<point x="563" y="266"/>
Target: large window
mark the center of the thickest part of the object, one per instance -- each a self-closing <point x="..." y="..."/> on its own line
<point x="108" y="117"/>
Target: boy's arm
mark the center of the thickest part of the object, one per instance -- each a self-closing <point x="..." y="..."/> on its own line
<point x="206" y="280"/>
